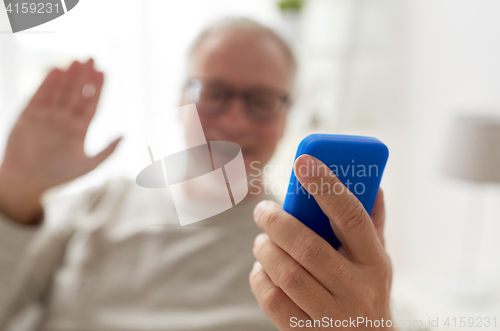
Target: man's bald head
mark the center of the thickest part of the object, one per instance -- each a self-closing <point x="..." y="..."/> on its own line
<point x="244" y="29"/>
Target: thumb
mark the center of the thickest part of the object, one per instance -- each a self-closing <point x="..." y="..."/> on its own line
<point x="103" y="155"/>
<point x="378" y="215"/>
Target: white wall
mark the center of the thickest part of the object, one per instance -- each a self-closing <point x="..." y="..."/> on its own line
<point x="451" y="64"/>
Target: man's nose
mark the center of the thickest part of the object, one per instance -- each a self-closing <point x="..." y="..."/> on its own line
<point x="235" y="113"/>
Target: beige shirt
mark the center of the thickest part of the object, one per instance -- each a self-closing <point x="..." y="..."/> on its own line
<point x="116" y="258"/>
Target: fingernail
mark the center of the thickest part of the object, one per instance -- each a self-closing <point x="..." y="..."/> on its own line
<point x="305" y="166"/>
<point x="258" y="210"/>
<point x="260" y="237"/>
<point x="256" y="265"/>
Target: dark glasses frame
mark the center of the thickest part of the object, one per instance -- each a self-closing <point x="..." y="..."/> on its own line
<point x="262" y="104"/>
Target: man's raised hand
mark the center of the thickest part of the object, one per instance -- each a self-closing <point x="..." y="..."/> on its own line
<point x="46" y="145"/>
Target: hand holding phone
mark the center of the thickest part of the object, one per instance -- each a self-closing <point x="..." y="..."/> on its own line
<point x="357" y="161"/>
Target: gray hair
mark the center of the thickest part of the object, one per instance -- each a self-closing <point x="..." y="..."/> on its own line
<point x="243" y="24"/>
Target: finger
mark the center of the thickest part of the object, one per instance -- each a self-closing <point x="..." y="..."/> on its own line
<point x="378" y="216"/>
<point x="350" y="221"/>
<point x="88" y="104"/>
<point x="47" y="91"/>
<point x="272" y="300"/>
<point x="315" y="254"/>
<point x="292" y="278"/>
<point x="104" y="154"/>
<point x="69" y="85"/>
<point x="76" y="95"/>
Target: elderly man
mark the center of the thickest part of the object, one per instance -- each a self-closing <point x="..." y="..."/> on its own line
<point x="94" y="262"/>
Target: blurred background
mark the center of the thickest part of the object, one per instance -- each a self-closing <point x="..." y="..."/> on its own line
<point x="399" y="70"/>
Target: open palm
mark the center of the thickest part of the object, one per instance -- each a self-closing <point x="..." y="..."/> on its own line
<point x="46" y="144"/>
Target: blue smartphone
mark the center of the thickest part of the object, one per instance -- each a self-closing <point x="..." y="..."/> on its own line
<point x="357" y="161"/>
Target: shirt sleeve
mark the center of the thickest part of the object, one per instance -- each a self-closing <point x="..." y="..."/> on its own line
<point x="29" y="255"/>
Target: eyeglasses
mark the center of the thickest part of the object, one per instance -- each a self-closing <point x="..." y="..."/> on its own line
<point x="262" y="104"/>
